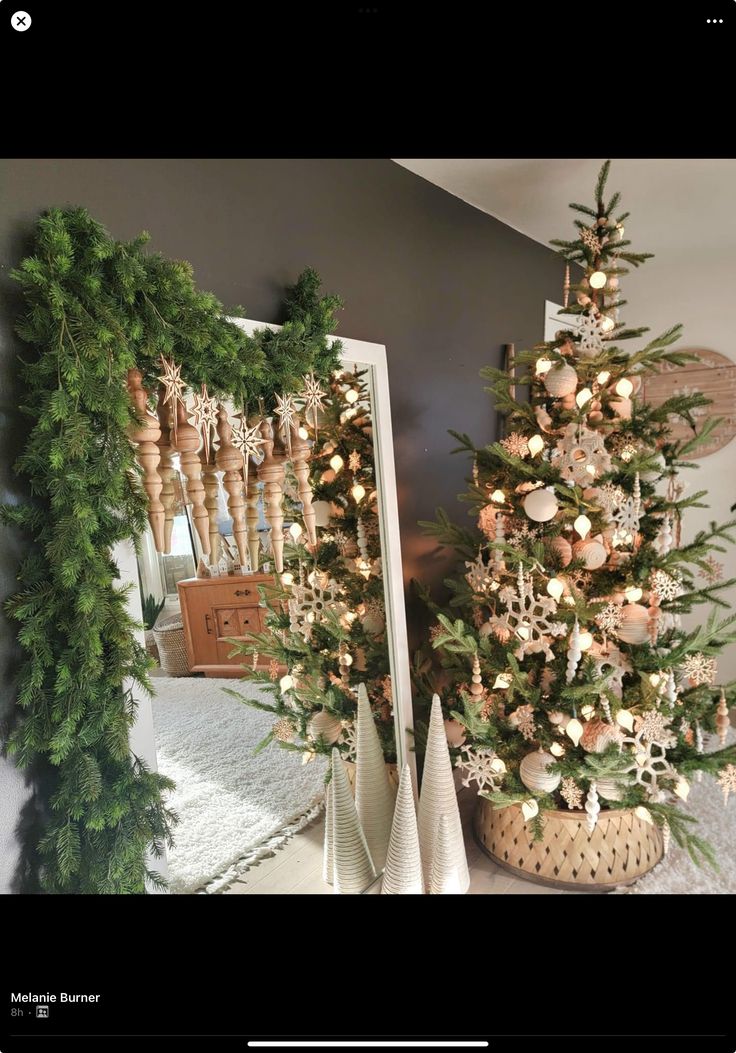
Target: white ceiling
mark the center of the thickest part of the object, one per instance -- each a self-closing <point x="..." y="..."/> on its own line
<point x="682" y="209"/>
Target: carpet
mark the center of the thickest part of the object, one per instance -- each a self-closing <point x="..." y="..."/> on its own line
<point x="233" y="808"/>
<point x="677" y="874"/>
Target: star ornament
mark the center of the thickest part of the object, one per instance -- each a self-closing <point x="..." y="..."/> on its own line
<point x="248" y="441"/>
<point x="204" y="417"/>
<point x="313" y="397"/>
<point x="286" y="410"/>
<point x="174" y="388"/>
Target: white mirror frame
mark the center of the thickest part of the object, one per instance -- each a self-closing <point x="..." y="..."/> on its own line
<point x="142" y="741"/>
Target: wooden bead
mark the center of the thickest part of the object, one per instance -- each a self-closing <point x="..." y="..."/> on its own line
<point x="722" y="719"/>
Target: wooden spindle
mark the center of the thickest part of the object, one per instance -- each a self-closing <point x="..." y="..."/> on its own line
<point x="723" y="721"/>
<point x="166" y="469"/>
<point x="211" y="493"/>
<point x="251" y="519"/>
<point x="229" y="461"/>
<point x="301" y="451"/>
<point x="145" y="433"/>
<point x="271" y="472"/>
<point x="187" y="444"/>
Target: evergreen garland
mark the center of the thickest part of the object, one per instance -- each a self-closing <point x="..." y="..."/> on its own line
<point x="96" y="307"/>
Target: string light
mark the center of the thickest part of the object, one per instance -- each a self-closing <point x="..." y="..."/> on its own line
<point x="607" y="324"/>
<point x="336" y="463"/>
<point x="498" y="497"/>
<point x="358" y="493"/>
<point x="296" y="531"/>
<point x="557" y="749"/>
<point x="303" y="433"/>
<point x="543" y="366"/>
<point x="587" y="711"/>
<point x="603" y="377"/>
<point x="633" y="593"/>
<point x="582" y="525"/>
<point x="287" y="578"/>
<point x="624" y="387"/>
<point x="585" y="640"/>
<point x="583" y="396"/>
<point x="286" y="683"/>
<point x="655" y="679"/>
<point x="536" y="445"/>
<point x="555" y="588"/>
<point x="351" y="396"/>
<point x="597" y="280"/>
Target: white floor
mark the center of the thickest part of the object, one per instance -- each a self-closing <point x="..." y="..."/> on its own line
<point x="297" y="867"/>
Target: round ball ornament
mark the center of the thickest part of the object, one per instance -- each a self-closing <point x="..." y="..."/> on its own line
<point x="598" y="736"/>
<point x="455" y="733"/>
<point x="592" y="552"/>
<point x="533" y="772"/>
<point x="634" y="628"/>
<point x="610" y="789"/>
<point x="561" y="381"/>
<point x="652" y="474"/>
<point x="562" y="548"/>
<point x="373" y="622"/>
<point x="324" y="725"/>
<point x="321" y="511"/>
<point x="540" y="505"/>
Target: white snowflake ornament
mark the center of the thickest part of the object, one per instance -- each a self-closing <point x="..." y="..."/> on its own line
<point x="581" y="455"/>
<point x="528" y="618"/>
<point x="727" y="781"/>
<point x="699" y="669"/>
<point x="589" y="336"/>
<point x="481" y="766"/>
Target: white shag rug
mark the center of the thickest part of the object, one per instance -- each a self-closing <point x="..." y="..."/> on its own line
<point x="677" y="874"/>
<point x="233" y="808"/>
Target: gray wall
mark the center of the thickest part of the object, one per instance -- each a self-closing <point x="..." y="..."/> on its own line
<point x="441" y="284"/>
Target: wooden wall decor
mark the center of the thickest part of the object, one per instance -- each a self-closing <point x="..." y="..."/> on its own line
<point x="715" y="376"/>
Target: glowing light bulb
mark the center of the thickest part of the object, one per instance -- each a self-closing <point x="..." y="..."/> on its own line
<point x="682" y="788"/>
<point x="363" y="568"/>
<point x="607" y="324"/>
<point x="543" y="366"/>
<point x="557" y="749"/>
<point x="523" y="631"/>
<point x="346" y="659"/>
<point x="296" y="530"/>
<point x="312" y="577"/>
<point x="286" y="683"/>
<point x="633" y="593"/>
<point x="287" y="578"/>
<point x="536" y="445"/>
<point x="497" y="766"/>
<point x="529" y="808"/>
<point x="351" y="396"/>
<point x="574" y="730"/>
<point x="310" y="616"/>
<point x="655" y="679"/>
<point x="585" y="640"/>
<point x="336" y="463"/>
<point x="624" y="387"/>
<point x="643" y="813"/>
<point x="569" y="600"/>
<point x="603" y="377"/>
<point x="555" y="588"/>
<point x="303" y="433"/>
<point x="625" y="719"/>
<point x="358" y="493"/>
<point x="597" y="280"/>
<point x="582" y="525"/>
<point x="586" y="712"/>
<point x="503" y="680"/>
<point x="350" y="616"/>
<point x="583" y="396"/>
<point x="498" y="496"/>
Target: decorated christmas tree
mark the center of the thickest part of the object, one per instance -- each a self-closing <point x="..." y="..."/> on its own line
<point x="326" y="624"/>
<point x="568" y="680"/>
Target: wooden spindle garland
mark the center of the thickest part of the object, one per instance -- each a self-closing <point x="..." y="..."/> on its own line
<point x="271" y="472"/>
<point x="301" y="450"/>
<point x="211" y="491"/>
<point x="229" y="460"/>
<point x="145" y="434"/>
<point x="166" y="469"/>
<point x="187" y="444"/>
<point x="251" y="519"/>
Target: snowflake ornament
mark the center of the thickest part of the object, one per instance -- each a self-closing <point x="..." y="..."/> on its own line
<point x="342" y="541"/>
<point x="610" y="618"/>
<point x="479" y="576"/>
<point x="714" y="570"/>
<point x="589" y="336"/>
<point x="653" y="725"/>
<point x="626" y="517"/>
<point x="581" y="455"/>
<point x="249" y="442"/>
<point x="487" y="522"/>
<point x="610" y="663"/>
<point x="528" y="618"/>
<point x="273" y="670"/>
<point x="523" y="719"/>
<point x="313" y="397"/>
<point x="609" y="497"/>
<point x="699" y="669"/>
<point x="727" y="781"/>
<point x="515" y="444"/>
<point x="571" y="793"/>
<point x="649" y="761"/>
<point x="286" y="410"/>
<point x="589" y="238"/>
<point x="354" y="461"/>
<point x="349" y="736"/>
<point x="666" y="586"/>
<point x="481" y="766"/>
<point x="204" y="417"/>
<point x="521" y="534"/>
<point x="309" y="603"/>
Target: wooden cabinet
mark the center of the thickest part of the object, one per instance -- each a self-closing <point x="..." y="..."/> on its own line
<point x="215" y="609"/>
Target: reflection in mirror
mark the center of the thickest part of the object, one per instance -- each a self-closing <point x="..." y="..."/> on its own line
<point x="265" y="677"/>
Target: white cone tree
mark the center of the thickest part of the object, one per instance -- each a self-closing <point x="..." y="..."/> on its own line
<point x="437" y="799"/>
<point x="374" y="797"/>
<point x="327" y="857"/>
<point x="402" y="874"/>
<point x="353" y="868"/>
<point x="445" y="879"/>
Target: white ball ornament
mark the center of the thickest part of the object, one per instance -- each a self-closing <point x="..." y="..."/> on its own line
<point x="634" y="628"/>
<point x="652" y="474"/>
<point x="592" y="552"/>
<point x="324" y="725"/>
<point x="533" y="772"/>
<point x="321" y="511"/>
<point x="610" y="789"/>
<point x="540" y="505"/>
<point x="561" y="380"/>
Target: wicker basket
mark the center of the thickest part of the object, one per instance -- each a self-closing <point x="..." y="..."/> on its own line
<point x="392" y="771"/>
<point x="620" y="850"/>
<point x="151" y="645"/>
<point x="169" y="634"/>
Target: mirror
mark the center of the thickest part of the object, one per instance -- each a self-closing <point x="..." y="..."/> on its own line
<point x="259" y="669"/>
